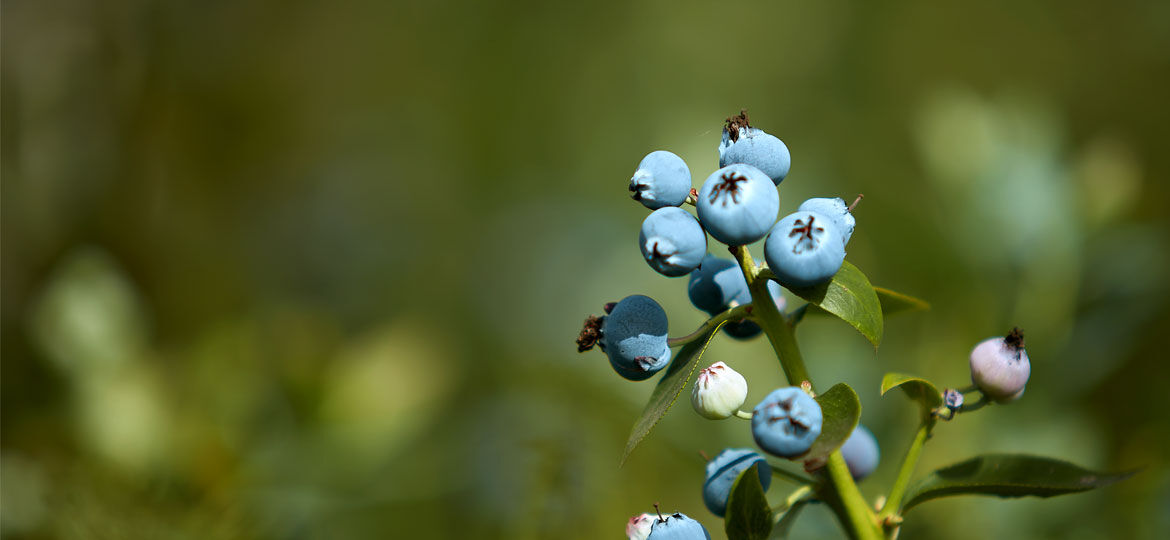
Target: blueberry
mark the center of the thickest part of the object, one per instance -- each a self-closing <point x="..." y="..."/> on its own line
<point x="633" y="336"/>
<point x="786" y="422"/>
<point x="742" y="329"/>
<point x="1000" y="367"/>
<point x="638" y="528"/>
<point x="678" y="526"/>
<point x="751" y="146"/>
<point x="722" y="472"/>
<point x="716" y="284"/>
<point x="747" y="329"/>
<point x="860" y="452"/>
<point x="834" y="209"/>
<point x="804" y="249"/>
<point x="719" y="392"/>
<point x="672" y="241"/>
<point x="738" y="204"/>
<point x="662" y="179"/>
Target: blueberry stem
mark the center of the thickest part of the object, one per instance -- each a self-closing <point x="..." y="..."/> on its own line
<point x="743" y="414"/>
<point x="790" y="476"/>
<point x="799" y="494"/>
<point x="855" y="202"/>
<point x="894" y="500"/>
<point x="842" y="493"/>
<point x="968" y="389"/>
<point x="983" y="402"/>
<point x="733" y="314"/>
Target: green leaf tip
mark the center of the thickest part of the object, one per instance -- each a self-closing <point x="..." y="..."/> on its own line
<point x="748" y="515"/>
<point x="916" y="388"/>
<point x="1008" y="475"/>
<point x="894" y="302"/>
<point x="840" y="410"/>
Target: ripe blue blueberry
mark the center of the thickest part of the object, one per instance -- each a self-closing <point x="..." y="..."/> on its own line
<point x="716" y="284"/>
<point x="662" y="179"/>
<point x="672" y="241"/>
<point x="860" y="452"/>
<point x="722" y="472"/>
<point x="678" y="526"/>
<point x="804" y="249"/>
<point x="786" y="422"/>
<point x="1000" y="366"/>
<point x="738" y="204"/>
<point x="834" y="209"/>
<point x="633" y="336"/>
<point x="745" y="144"/>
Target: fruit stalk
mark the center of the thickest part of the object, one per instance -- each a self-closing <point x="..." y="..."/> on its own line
<point x="894" y="500"/>
<point x="854" y="514"/>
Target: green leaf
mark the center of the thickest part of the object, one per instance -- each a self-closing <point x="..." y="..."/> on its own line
<point x="892" y="303"/>
<point x="917" y="388"/>
<point x="840" y="409"/>
<point x="748" y="515"/>
<point x="896" y="302"/>
<point x="1008" y="475"/>
<point x="850" y="297"/>
<point x="784" y="523"/>
<point x="669" y="387"/>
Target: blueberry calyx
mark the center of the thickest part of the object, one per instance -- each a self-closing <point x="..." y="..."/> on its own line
<point x="637" y="188"/>
<point x="1015" y="340"/>
<point x="645" y="363"/>
<point x="737" y="123"/>
<point x="590" y="334"/>
<point x="728" y="185"/>
<point x="795" y="425"/>
<point x="804" y="234"/>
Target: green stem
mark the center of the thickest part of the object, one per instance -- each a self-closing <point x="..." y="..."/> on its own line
<point x="894" y="501"/>
<point x="855" y="514"/>
<point x="983" y="402"/>
<point x="790" y="476"/>
<point x="861" y="522"/>
<point x="736" y="313"/>
<point x="779" y="332"/>
<point x="799" y="494"/>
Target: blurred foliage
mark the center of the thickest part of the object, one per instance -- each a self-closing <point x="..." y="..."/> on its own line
<point x="301" y="270"/>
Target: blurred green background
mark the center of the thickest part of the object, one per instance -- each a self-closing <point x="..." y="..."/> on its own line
<point x="314" y="270"/>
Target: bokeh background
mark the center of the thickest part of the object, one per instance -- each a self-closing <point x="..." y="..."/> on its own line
<point x="314" y="270"/>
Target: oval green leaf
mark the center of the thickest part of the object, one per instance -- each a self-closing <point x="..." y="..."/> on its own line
<point x="841" y="410"/>
<point x="916" y="388"/>
<point x="851" y="298"/>
<point x="748" y="514"/>
<point x="1008" y="475"/>
<point x="669" y="387"/>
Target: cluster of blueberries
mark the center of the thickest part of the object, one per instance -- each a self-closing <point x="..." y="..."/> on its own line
<point x="738" y="205"/>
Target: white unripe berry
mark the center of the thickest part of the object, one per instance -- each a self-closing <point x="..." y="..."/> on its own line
<point x="719" y="392"/>
<point x="1000" y="367"/>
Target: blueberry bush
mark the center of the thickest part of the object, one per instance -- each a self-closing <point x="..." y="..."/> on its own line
<point x="820" y="450"/>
